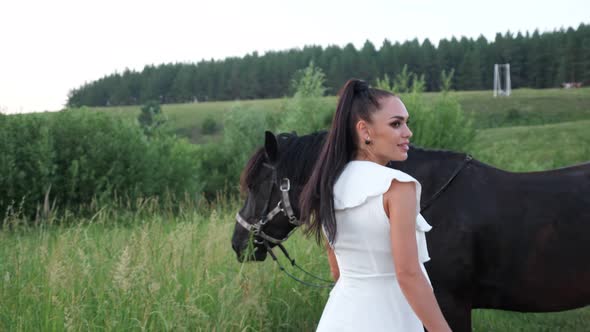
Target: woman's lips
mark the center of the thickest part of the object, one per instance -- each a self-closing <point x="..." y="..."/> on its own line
<point x="404" y="146"/>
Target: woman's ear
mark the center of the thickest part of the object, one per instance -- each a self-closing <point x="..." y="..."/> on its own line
<point x="362" y="130"/>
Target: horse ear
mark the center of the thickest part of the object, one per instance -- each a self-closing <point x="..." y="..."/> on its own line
<point x="271" y="146"/>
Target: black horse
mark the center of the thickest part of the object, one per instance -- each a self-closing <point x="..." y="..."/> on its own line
<point x="501" y="240"/>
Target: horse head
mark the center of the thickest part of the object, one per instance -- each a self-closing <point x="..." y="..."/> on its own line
<point x="272" y="182"/>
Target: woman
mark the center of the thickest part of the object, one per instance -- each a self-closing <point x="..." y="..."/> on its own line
<point x="369" y="214"/>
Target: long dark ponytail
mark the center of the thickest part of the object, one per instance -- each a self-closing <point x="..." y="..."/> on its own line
<point x="356" y="101"/>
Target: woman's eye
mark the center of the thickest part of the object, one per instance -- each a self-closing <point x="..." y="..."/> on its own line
<point x="396" y="124"/>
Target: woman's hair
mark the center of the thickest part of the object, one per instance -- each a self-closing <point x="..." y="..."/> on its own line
<point x="356" y="101"/>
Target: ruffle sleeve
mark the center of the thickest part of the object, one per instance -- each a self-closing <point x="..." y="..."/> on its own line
<point x="361" y="180"/>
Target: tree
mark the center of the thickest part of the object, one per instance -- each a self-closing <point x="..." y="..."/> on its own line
<point x="469" y="71"/>
<point x="368" y="57"/>
<point x="151" y="117"/>
<point x="307" y="112"/>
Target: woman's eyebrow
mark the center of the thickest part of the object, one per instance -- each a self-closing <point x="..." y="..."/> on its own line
<point x="398" y="117"/>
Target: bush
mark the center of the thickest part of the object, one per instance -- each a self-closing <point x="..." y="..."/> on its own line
<point x="442" y="126"/>
<point x="307" y="111"/>
<point x="27" y="156"/>
<point x="151" y="117"/>
<point x="209" y="126"/>
<point x="404" y="82"/>
<point x="76" y="157"/>
<point x="220" y="164"/>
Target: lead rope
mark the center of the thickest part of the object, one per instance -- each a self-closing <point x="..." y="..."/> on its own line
<point x="284" y="250"/>
<point x="329" y="284"/>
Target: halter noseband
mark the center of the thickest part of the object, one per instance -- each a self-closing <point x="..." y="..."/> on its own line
<point x="283" y="206"/>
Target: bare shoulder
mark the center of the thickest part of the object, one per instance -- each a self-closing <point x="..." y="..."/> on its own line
<point x="401" y="190"/>
<point x="399" y="194"/>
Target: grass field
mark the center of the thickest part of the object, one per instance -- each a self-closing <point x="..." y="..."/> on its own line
<point x="534" y="148"/>
<point x="175" y="274"/>
<point x="524" y="107"/>
<point x="154" y="270"/>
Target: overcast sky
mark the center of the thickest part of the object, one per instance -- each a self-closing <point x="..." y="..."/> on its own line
<point x="50" y="47"/>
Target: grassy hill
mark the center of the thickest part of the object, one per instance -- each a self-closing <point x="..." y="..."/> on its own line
<point x="533" y="148"/>
<point x="524" y="107"/>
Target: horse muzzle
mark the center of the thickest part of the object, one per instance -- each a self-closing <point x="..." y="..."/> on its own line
<point x="248" y="253"/>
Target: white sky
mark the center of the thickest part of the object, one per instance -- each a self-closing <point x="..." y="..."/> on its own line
<point x="50" y="47"/>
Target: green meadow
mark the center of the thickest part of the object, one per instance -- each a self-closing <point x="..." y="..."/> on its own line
<point x="154" y="269"/>
<point x="523" y="107"/>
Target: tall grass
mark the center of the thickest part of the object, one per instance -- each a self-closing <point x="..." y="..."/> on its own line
<point x="157" y="273"/>
<point x="163" y="273"/>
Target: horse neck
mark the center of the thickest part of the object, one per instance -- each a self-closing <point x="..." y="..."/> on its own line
<point x="432" y="168"/>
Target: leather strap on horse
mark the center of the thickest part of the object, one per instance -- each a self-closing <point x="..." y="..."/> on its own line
<point x="426" y="205"/>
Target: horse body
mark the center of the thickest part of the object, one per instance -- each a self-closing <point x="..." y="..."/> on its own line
<point x="501" y="240"/>
<point x="539" y="236"/>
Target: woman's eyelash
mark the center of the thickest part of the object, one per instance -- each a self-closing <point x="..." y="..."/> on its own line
<point x="398" y="123"/>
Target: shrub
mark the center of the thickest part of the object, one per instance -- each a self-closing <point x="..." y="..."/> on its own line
<point x="27" y="156"/>
<point x="307" y="111"/>
<point x="151" y="116"/>
<point x="76" y="157"/>
<point x="209" y="126"/>
<point x="442" y="126"/>
<point x="220" y="164"/>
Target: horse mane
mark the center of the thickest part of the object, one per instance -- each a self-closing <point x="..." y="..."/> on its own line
<point x="294" y="158"/>
<point x="253" y="164"/>
<point x="298" y="156"/>
<point x="443" y="154"/>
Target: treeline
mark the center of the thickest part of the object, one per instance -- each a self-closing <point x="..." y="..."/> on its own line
<point x="537" y="60"/>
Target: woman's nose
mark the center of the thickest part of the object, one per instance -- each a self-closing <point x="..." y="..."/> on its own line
<point x="409" y="133"/>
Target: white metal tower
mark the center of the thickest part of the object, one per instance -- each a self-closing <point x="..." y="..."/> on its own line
<point x="507" y="88"/>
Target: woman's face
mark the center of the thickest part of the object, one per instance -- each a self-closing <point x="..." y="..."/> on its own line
<point x="388" y="132"/>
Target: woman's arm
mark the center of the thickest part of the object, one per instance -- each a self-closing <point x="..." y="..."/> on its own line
<point x="400" y="205"/>
<point x="333" y="263"/>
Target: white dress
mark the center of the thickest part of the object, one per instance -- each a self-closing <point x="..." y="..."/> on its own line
<point x="367" y="296"/>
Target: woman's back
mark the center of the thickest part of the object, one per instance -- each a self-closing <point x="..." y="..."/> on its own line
<point x="367" y="295"/>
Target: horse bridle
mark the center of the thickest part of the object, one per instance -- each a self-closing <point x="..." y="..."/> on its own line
<point x="284" y="206"/>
